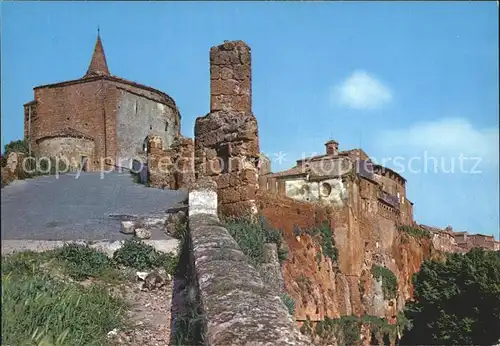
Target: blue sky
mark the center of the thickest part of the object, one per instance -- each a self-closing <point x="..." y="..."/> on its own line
<point x="401" y="79"/>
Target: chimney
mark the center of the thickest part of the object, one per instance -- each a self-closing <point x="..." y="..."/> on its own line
<point x="332" y="147"/>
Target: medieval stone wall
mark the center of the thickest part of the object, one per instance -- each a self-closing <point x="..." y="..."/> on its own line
<point x="391" y="184"/>
<point x="138" y="117"/>
<point x="172" y="168"/>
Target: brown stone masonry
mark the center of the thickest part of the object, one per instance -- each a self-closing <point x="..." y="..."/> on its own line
<point x="226" y="140"/>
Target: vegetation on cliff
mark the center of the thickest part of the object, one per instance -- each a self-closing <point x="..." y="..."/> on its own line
<point x="415" y="232"/>
<point x="251" y="235"/>
<point x="289" y="303"/>
<point x="389" y="281"/>
<point x="327" y="241"/>
<point x="457" y="301"/>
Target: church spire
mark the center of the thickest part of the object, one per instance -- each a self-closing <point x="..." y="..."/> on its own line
<point x="98" y="65"/>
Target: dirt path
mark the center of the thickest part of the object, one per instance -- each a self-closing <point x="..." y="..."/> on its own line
<point x="149" y="313"/>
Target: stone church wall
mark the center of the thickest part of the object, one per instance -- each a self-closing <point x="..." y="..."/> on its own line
<point x="74" y="106"/>
<point x="118" y="116"/>
<point x="138" y="117"/>
<point x="69" y="148"/>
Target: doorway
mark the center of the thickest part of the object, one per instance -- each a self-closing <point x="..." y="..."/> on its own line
<point x="84" y="163"/>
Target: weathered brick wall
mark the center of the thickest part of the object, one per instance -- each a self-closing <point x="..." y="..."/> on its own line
<point x="226" y="140"/>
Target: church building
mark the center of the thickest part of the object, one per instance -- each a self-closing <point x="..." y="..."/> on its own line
<point x="98" y="117"/>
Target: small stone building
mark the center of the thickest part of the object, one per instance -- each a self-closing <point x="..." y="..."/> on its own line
<point x="98" y="117"/>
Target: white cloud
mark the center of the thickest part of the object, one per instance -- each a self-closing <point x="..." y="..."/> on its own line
<point x="361" y="91"/>
<point x="444" y="137"/>
<point x="465" y="201"/>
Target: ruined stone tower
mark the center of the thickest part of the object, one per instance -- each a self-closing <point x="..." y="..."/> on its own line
<point x="226" y="139"/>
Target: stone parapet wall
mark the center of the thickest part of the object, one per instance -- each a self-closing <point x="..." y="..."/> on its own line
<point x="238" y="307"/>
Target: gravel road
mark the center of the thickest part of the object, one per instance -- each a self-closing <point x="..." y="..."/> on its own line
<point x="73" y="207"/>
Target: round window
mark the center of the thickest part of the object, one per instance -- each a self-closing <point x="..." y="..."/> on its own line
<point x="326" y="189"/>
<point x="304" y="189"/>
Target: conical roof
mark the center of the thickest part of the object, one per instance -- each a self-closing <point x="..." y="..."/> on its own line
<point x="98" y="65"/>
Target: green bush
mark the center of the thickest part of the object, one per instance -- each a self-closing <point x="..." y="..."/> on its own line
<point x="40" y="310"/>
<point x="289" y="303"/>
<point x="415" y="232"/>
<point x="389" y="281"/>
<point x="252" y="235"/>
<point x="138" y="255"/>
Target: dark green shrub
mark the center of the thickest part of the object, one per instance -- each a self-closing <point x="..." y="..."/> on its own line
<point x="456" y="301"/>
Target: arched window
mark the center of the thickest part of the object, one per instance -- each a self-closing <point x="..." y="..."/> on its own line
<point x="145" y="145"/>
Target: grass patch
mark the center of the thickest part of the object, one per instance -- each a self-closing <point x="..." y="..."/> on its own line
<point x="415" y="232"/>
<point x="81" y="262"/>
<point x="141" y="256"/>
<point x="40" y="309"/>
<point x="252" y="235"/>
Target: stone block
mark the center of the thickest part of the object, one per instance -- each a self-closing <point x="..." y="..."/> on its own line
<point x="230" y="195"/>
<point x="215" y="71"/>
<point x="227" y="73"/>
<point x="247" y="192"/>
<point x="249" y="176"/>
<point x="203" y="197"/>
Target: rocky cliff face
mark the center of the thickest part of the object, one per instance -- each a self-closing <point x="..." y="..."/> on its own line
<point x="356" y="282"/>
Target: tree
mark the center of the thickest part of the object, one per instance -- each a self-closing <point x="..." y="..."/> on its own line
<point x="457" y="301"/>
<point x="19" y="145"/>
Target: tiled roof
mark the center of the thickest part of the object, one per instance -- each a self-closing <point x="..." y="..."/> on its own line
<point x="297" y="170"/>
